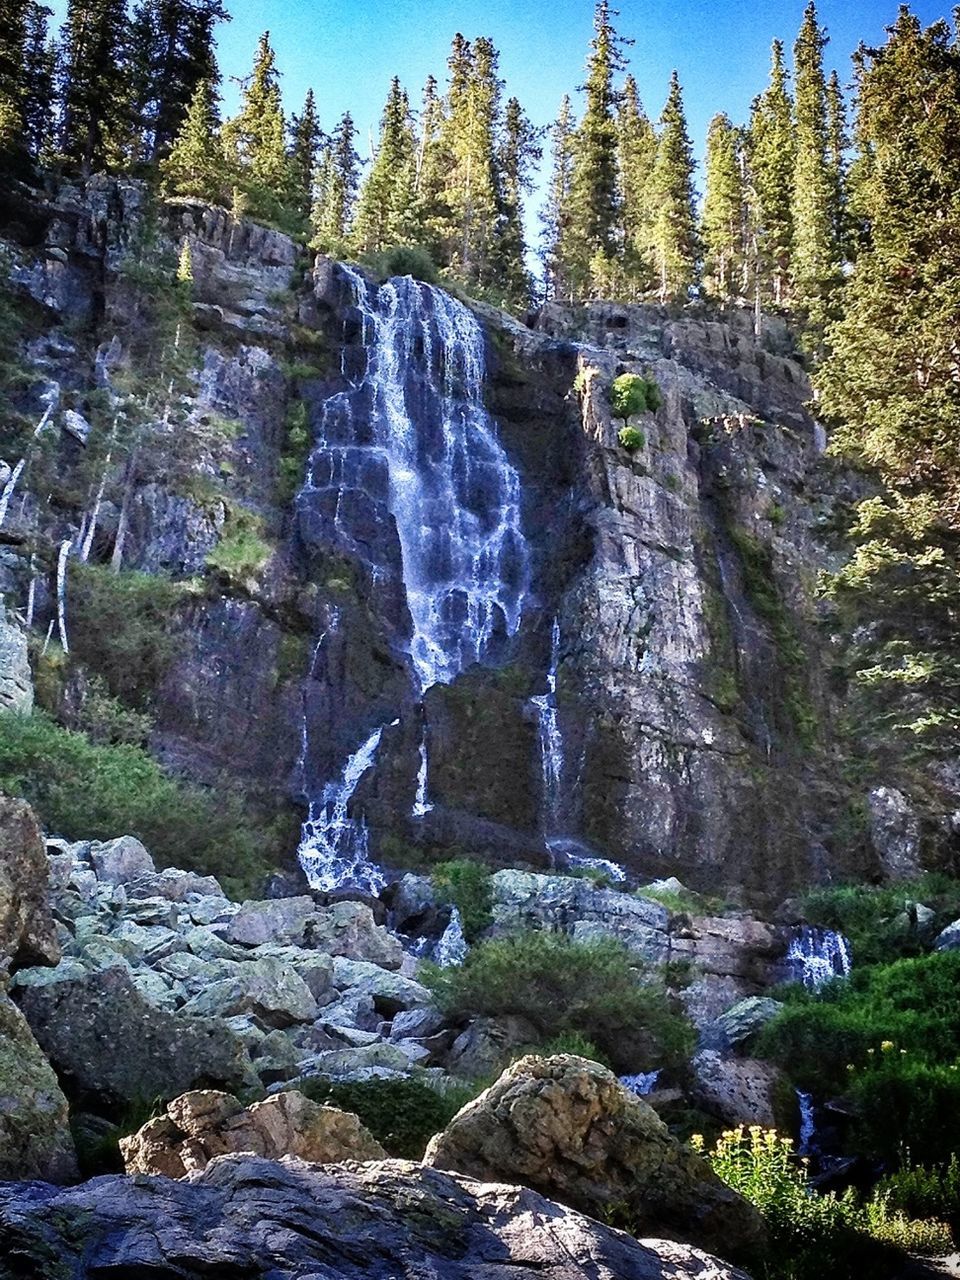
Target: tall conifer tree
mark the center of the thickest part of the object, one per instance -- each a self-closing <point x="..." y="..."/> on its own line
<point x="772" y="148"/>
<point x="723" y="211"/>
<point x="385" y="213"/>
<point x="556" y="212"/>
<point x="594" y="187"/>
<point x="195" y="165"/>
<point x="837" y="143"/>
<point x="675" y="240"/>
<point x="95" y="125"/>
<point x="254" y="141"/>
<point x="816" y="272"/>
<point x="336" y="189"/>
<point x="432" y="215"/>
<point x="40" y="70"/>
<point x="306" y="137"/>
<point x="519" y="150"/>
<point x="13" y="34"/>
<point x="637" y="156"/>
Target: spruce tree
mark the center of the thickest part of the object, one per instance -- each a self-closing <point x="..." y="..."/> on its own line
<point x="432" y="215"/>
<point x="637" y="156"/>
<point x="254" y="142"/>
<point x="723" y="211"/>
<point x="40" y="69"/>
<point x="772" y="150"/>
<point x="336" y="189"/>
<point x="675" y="240"/>
<point x="520" y="149"/>
<point x="185" y="57"/>
<point x="195" y="165"/>
<point x="594" y="186"/>
<point x="556" y="211"/>
<point x="13" y="35"/>
<point x="837" y="143"/>
<point x="816" y="270"/>
<point x="95" y="124"/>
<point x="385" y="213"/>
<point x="306" y="137"/>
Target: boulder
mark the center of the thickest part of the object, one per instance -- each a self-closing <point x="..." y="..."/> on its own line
<point x="745" y="1019"/>
<point x="121" y="861"/>
<point x="176" y="886"/>
<point x="565" y="1126"/>
<point x="414" y="905"/>
<point x="28" y="934"/>
<point x="488" y="1044"/>
<point x="949" y="938"/>
<point x="268" y="989"/>
<point x="204" y="1124"/>
<point x="390" y="991"/>
<point x="524" y="899"/>
<point x="743" y="1091"/>
<point x="894" y="833"/>
<point x="16" y="681"/>
<point x="349" y="929"/>
<point x="247" y="1216"/>
<point x="35" y="1139"/>
<point x="281" y="920"/>
<point x="732" y="947"/>
<point x="107" y="1042"/>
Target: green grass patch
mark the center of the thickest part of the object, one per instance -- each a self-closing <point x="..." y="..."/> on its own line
<point x="466" y="885"/>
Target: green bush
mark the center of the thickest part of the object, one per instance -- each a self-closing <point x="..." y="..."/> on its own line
<point x="466" y="885"/>
<point x="120" y="627"/>
<point x="404" y="260"/>
<point x="903" y="1102"/>
<point x="810" y="1235"/>
<point x="631" y="439"/>
<point x="631" y="394"/>
<point x="596" y="989"/>
<point x="88" y="792"/>
<point x="925" y="1191"/>
<point x="241" y="551"/>
<point x="402" y="1114"/>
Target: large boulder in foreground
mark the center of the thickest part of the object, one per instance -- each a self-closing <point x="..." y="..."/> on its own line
<point x="28" y="934"/>
<point x="35" y="1140"/>
<point x="202" y="1125"/>
<point x="566" y="1127"/>
<point x="393" y="1220"/>
<point x="110" y="1047"/>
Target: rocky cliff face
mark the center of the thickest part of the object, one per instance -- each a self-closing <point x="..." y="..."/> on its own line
<point x="517" y="639"/>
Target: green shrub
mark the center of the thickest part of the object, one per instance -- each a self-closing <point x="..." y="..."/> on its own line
<point x="404" y="260"/>
<point x="903" y="1102"/>
<point x="573" y="1042"/>
<point x="294" y="451"/>
<point x="466" y="885"/>
<point x="241" y="552"/>
<point x="810" y="1235"/>
<point x="402" y="1114"/>
<point x="88" y="792"/>
<point x="631" y="394"/>
<point x="631" y="439"/>
<point x="120" y="627"/>
<point x="925" y="1191"/>
<point x="594" y="988"/>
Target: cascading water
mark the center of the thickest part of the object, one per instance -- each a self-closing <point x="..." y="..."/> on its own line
<point x="551" y="741"/>
<point x="816" y="956"/>
<point x="808" y="1123"/>
<point x="452" y="947"/>
<point x="642" y="1083"/>
<point x="412" y="430"/>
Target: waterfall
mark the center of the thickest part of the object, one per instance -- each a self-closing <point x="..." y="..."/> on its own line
<point x="452" y="947"/>
<point x="551" y="741"/>
<point x="816" y="956"/>
<point x="641" y="1084"/>
<point x="334" y="847"/>
<point x="808" y="1124"/>
<point x="410" y="433"/>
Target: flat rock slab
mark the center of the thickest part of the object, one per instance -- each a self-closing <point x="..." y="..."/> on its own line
<point x="245" y="1216"/>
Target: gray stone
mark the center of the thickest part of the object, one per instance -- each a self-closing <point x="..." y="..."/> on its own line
<point x="895" y="833"/>
<point x="949" y="939"/>
<point x="16" y="681"/>
<point x="746" y="1018"/>
<point x="121" y="861"/>
<point x="269" y="990"/>
<point x="488" y="1045"/>
<point x="743" y="1091"/>
<point x="28" y="934"/>
<point x="415" y="1023"/>
<point x="35" y="1139"/>
<point x="76" y="425"/>
<point x="349" y="929"/>
<point x="279" y="920"/>
<point x="243" y="1215"/>
<point x="391" y="992"/>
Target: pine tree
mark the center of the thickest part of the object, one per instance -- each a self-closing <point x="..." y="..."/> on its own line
<point x="837" y="143"/>
<point x="772" y="149"/>
<point x="637" y="156"/>
<point x="385" y="215"/>
<point x="40" y="68"/>
<point x="336" y="189"/>
<point x="816" y="271"/>
<point x="723" y="211"/>
<point x="185" y="57"/>
<point x="254" y="142"/>
<point x="306" y="137"/>
<point x="13" y="35"/>
<point x="675" y="240"/>
<point x="195" y="165"/>
<point x="95" y="125"/>
<point x="594" y="186"/>
<point x="890" y="387"/>
<point x="432" y="215"/>
<point x="519" y="150"/>
<point x="556" y="212"/>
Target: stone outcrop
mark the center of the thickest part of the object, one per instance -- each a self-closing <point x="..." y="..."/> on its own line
<point x="743" y="1091"/>
<point x="388" y="1221"/>
<point x="16" y="681"/>
<point x="35" y="1139"/>
<point x="202" y="1125"/>
<point x="565" y="1126"/>
<point x="27" y="929"/>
